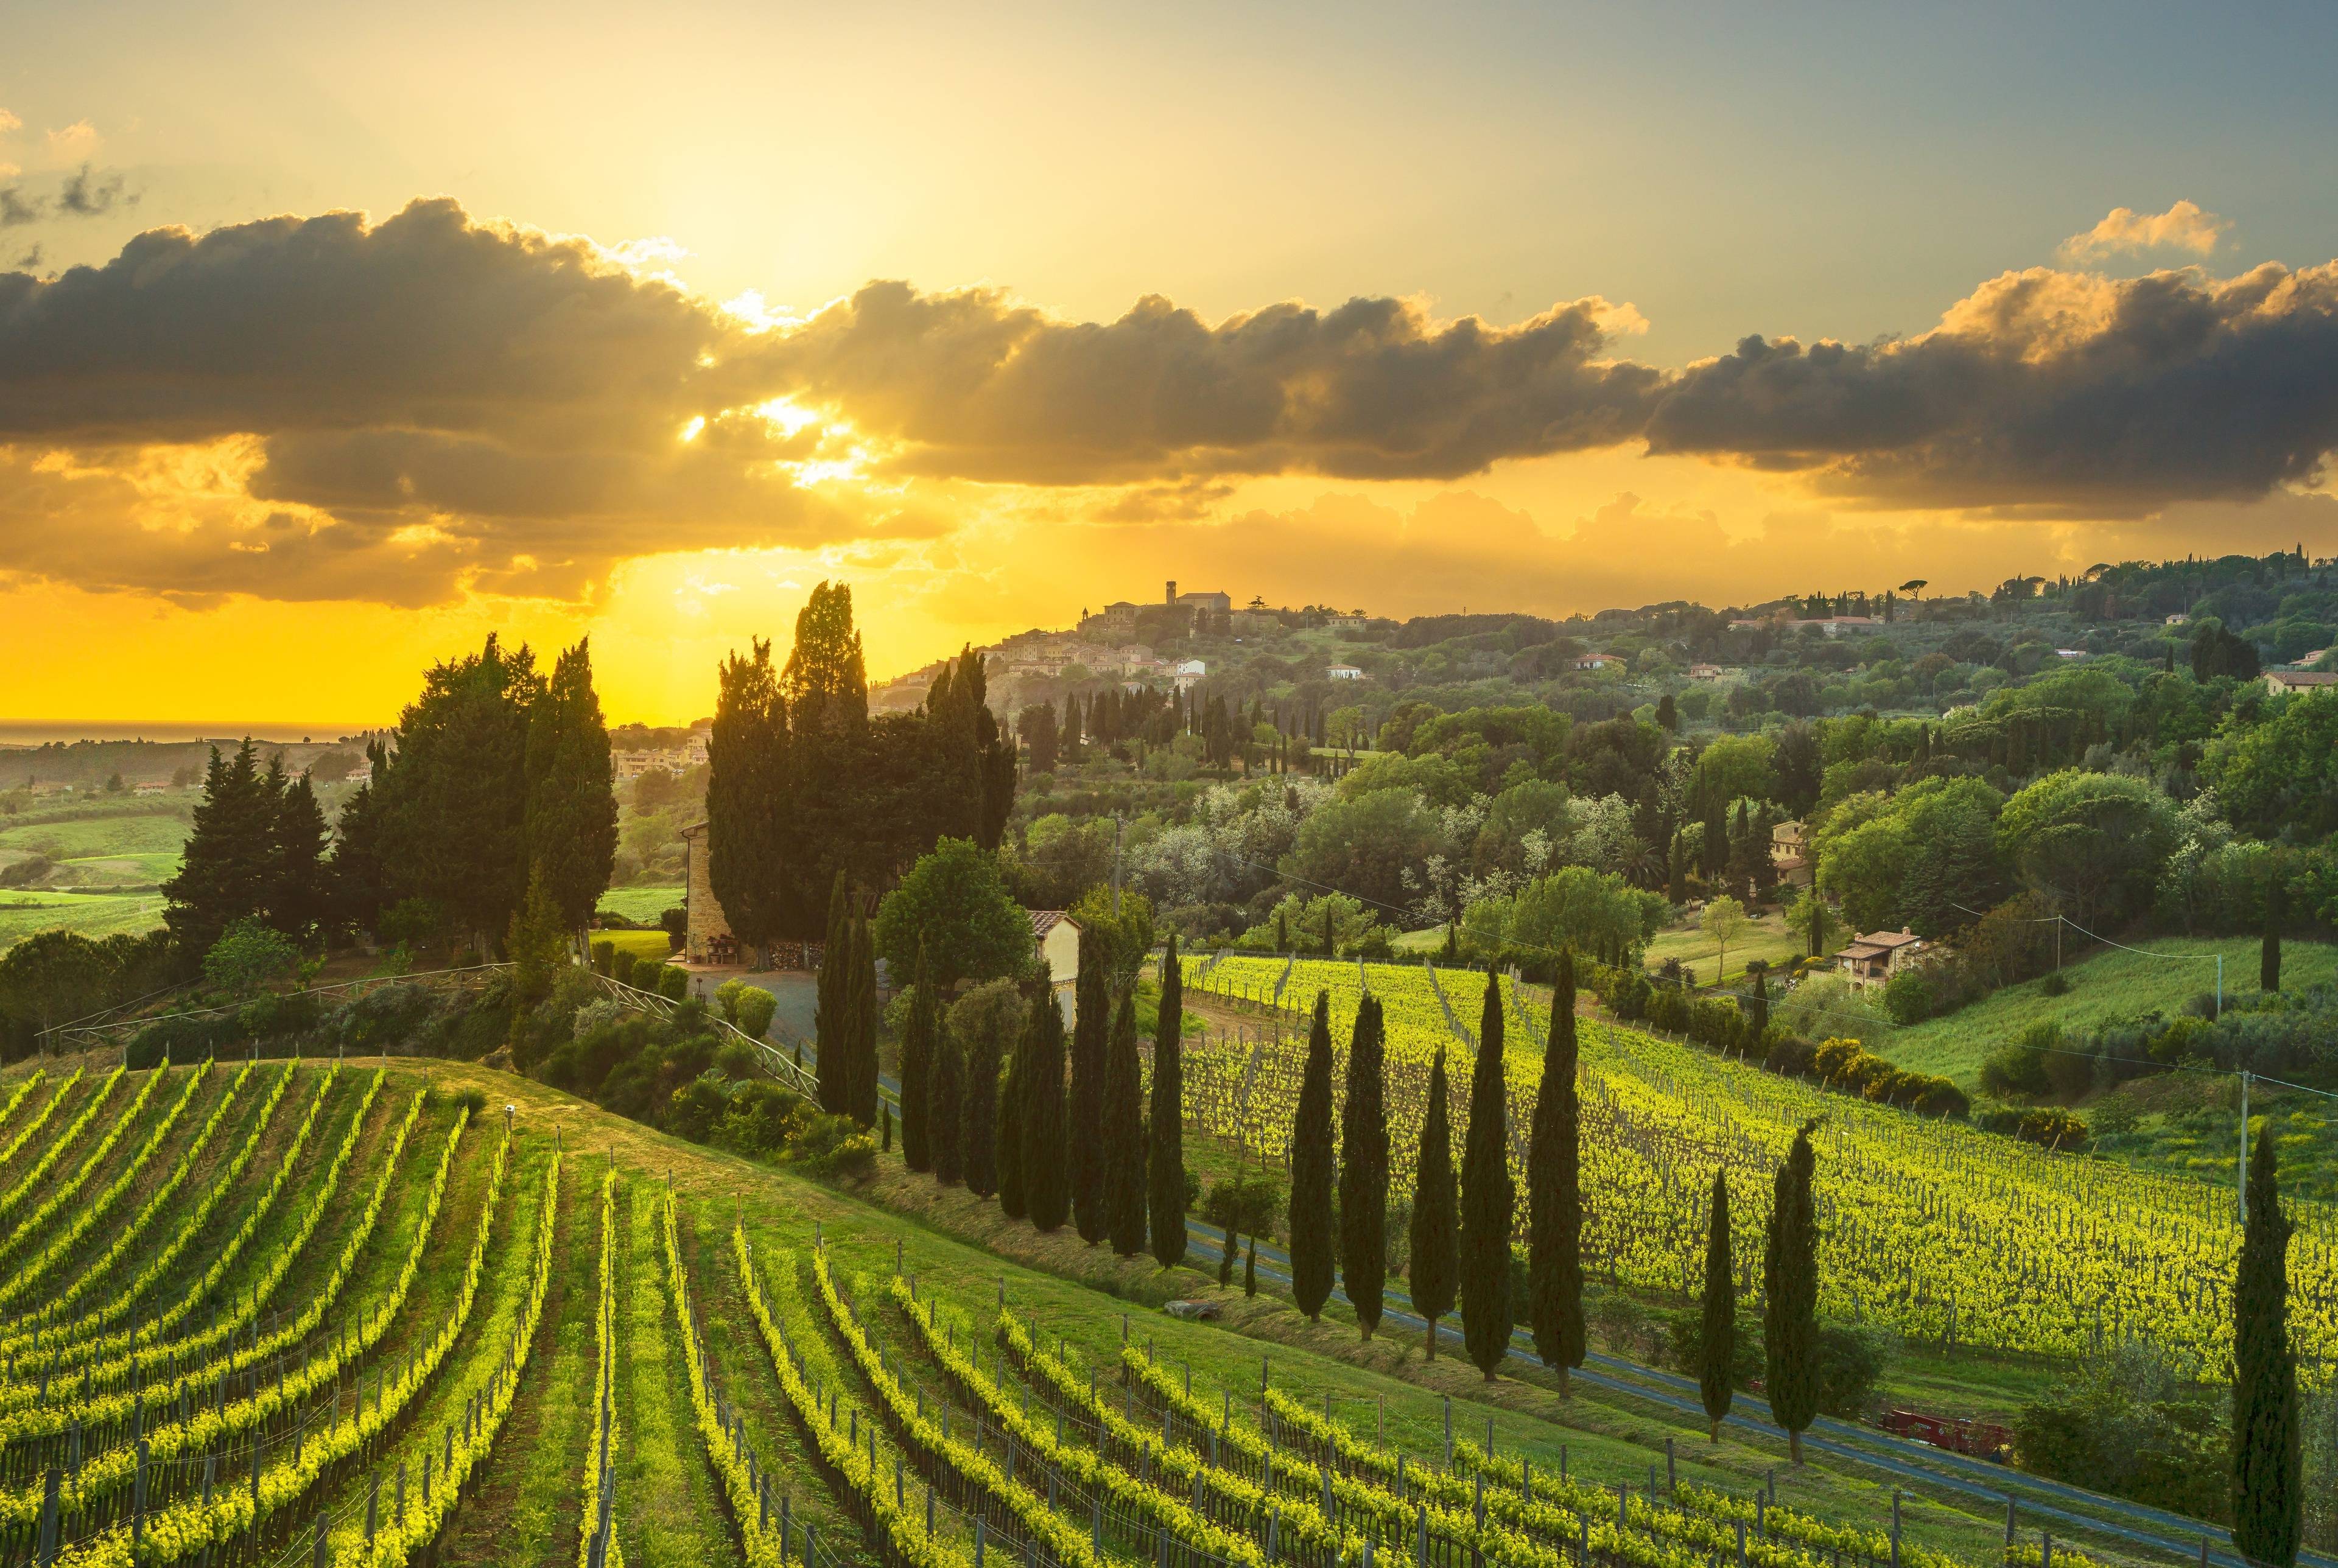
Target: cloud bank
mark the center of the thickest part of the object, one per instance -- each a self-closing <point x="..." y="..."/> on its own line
<point x="408" y="411"/>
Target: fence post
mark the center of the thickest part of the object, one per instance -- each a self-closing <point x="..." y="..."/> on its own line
<point x="1672" y="1476"/>
<point x="50" y="1484"/>
<point x="373" y="1502"/>
<point x="317" y="1558"/>
<point x="138" y="1503"/>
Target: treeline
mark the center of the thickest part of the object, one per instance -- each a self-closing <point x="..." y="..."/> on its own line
<point x="804" y="785"/>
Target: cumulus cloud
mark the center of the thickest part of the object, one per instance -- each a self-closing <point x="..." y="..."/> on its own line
<point x="2182" y="227"/>
<point x="408" y="411"/>
<point x="981" y="386"/>
<point x="2062" y="392"/>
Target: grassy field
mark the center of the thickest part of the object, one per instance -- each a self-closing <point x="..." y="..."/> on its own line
<point x="644" y="903"/>
<point x="2111" y="984"/>
<point x="640" y="943"/>
<point x="24" y="914"/>
<point x="152" y="830"/>
<point x="1702" y="957"/>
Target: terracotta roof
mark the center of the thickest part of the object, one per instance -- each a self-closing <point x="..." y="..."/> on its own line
<point x="1045" y="920"/>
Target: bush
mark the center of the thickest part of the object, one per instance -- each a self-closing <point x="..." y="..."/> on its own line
<point x="833" y="1147"/>
<point x="2012" y="1070"/>
<point x="2128" y="1426"/>
<point x="757" y="1007"/>
<point x="672" y="982"/>
<point x="1850" y="1361"/>
<point x="621" y="964"/>
<point x="605" y="956"/>
<point x="1908" y="997"/>
<point x="2055" y="984"/>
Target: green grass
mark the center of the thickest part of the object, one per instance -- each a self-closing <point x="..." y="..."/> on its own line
<point x="1701" y="956"/>
<point x="644" y="903"/>
<point x="672" y="1513"/>
<point x="2110" y="985"/>
<point x="152" y="831"/>
<point x="640" y="943"/>
<point x="26" y="912"/>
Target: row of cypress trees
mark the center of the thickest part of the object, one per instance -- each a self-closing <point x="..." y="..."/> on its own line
<point x="1058" y="1128"/>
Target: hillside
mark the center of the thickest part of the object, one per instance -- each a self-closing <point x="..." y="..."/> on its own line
<point x="413" y="1275"/>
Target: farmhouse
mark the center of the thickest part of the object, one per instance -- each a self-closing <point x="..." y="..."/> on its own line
<point x="1875" y="957"/>
<point x="1790" y="853"/>
<point x="2282" y="682"/>
<point x="1343" y="673"/>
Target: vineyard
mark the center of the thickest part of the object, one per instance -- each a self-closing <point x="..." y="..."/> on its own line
<point x="1947" y="1234"/>
<point x="286" y="1313"/>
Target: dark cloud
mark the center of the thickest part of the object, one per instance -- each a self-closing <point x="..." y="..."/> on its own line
<point x="986" y="388"/>
<point x="2046" y="391"/>
<point x="83" y="198"/>
<point x="15" y="211"/>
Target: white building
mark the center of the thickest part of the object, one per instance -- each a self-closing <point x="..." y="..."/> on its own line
<point x="1343" y="673"/>
<point x="1191" y="673"/>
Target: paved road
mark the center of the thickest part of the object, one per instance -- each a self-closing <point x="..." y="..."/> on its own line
<point x="2035" y="1498"/>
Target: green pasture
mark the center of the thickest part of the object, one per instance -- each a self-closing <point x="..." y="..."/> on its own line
<point x="1702" y="957"/>
<point x="642" y="903"/>
<point x="25" y="914"/>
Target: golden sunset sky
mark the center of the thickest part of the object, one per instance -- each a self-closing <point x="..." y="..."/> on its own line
<point x="331" y="339"/>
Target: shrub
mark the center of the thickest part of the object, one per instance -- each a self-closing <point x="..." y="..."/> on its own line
<point x="673" y="984"/>
<point x="1850" y="1361"/>
<point x="726" y="997"/>
<point x="756" y="1008"/>
<point x="2015" y="1069"/>
<point x="2055" y="984"/>
<point x="833" y="1147"/>
<point x="1908" y="997"/>
<point x="621" y="965"/>
<point x="605" y="956"/>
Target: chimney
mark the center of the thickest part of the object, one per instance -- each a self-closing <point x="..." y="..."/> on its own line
<point x="1172" y="596"/>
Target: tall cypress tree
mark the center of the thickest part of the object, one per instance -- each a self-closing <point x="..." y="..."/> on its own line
<point x="572" y="807"/>
<point x="1554" y="1193"/>
<point x="1014" y="1199"/>
<point x="2268" y="1488"/>
<point x="1312" y="1161"/>
<point x="979" y="1125"/>
<point x="1123" y="1131"/>
<point x="917" y="1069"/>
<point x="945" y="1108"/>
<point x="1487" y="1198"/>
<point x="1436" y="1219"/>
<point x="861" y="1105"/>
<point x="1790" y="1280"/>
<point x="1166" y="1129"/>
<point x="747" y="781"/>
<point x="1364" y="1169"/>
<point x="1046" y="1177"/>
<point x="833" y="1002"/>
<point x="2269" y="950"/>
<point x="1091" y="1027"/>
<point x="1716" y="1348"/>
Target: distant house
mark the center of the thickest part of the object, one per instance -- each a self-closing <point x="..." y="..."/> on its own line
<point x="1343" y="673"/>
<point x="1344" y="623"/>
<point x="151" y="788"/>
<point x="1836" y="625"/>
<point x="2070" y="653"/>
<point x="1790" y="853"/>
<point x="1598" y="661"/>
<point x="1874" y="958"/>
<point x="1057" y="935"/>
<point x="2284" y="682"/>
<point x="2180" y="619"/>
<point x="1704" y="672"/>
<point x="1208" y="602"/>
<point x="1190" y="673"/>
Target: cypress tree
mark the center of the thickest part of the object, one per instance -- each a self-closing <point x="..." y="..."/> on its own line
<point x="1123" y="1131"/>
<point x="572" y="808"/>
<point x="1166" y="1129"/>
<point x="1013" y="1197"/>
<point x="1757" y="1007"/>
<point x="2269" y="951"/>
<point x="832" y="1001"/>
<point x="1046" y="1177"/>
<point x="1330" y="947"/>
<point x="1487" y="1198"/>
<point x="224" y="870"/>
<point x="862" y="1105"/>
<point x="1364" y="1169"/>
<point x="2268" y="1491"/>
<point x="946" y="1110"/>
<point x="1717" y="1336"/>
<point x="1436" y="1254"/>
<point x="1554" y="1193"/>
<point x="299" y="894"/>
<point x="917" y="1069"/>
<point x="979" y="1128"/>
<point x="1312" y="1161"/>
<point x="746" y="783"/>
<point x="1091" y="1027"/>
<point x="1790" y="1280"/>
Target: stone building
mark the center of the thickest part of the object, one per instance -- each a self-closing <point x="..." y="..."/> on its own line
<point x="707" y="937"/>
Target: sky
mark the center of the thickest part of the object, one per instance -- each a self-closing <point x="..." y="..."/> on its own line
<point x="332" y="338"/>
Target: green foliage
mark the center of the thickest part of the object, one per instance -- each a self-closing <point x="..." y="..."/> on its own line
<point x="955" y="903"/>
<point x="920" y="1038"/>
<point x="2126" y="1425"/>
<point x="1487" y="1200"/>
<point x="1123" y="1132"/>
<point x="249" y="955"/>
<point x="945" y="1140"/>
<point x="1364" y="1167"/>
<point x="571" y="825"/>
<point x="1091" y="1027"/>
<point x="1125" y="940"/>
<point x="748" y="757"/>
<point x="1790" y="1282"/>
<point x="2279" y="777"/>
<point x="2096" y="840"/>
<point x="1716" y="1356"/>
<point x="673" y="982"/>
<point x="2268" y="1490"/>
<point x="1577" y="907"/>
<point x="982" y="1098"/>
<point x="1044" y="1124"/>
<point x="1312" y="1161"/>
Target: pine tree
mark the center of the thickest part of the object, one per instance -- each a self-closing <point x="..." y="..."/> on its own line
<point x="830" y="1027"/>
<point x="946" y="1109"/>
<point x="572" y="805"/>
<point x="1716" y="1348"/>
<point x="748" y="772"/>
<point x="225" y="869"/>
<point x="2268" y="1491"/>
<point x="1165" y="1183"/>
<point x="300" y="898"/>
<point x="1312" y="1174"/>
<point x="1123" y="1131"/>
<point x="538" y="946"/>
<point x="1487" y="1198"/>
<point x="1435" y="1248"/>
<point x="1790" y="1283"/>
<point x="917" y="1069"/>
<point x="1091" y="1028"/>
<point x="1554" y="1193"/>
<point x="1364" y="1169"/>
<point x="862" y="1091"/>
<point x="978" y="1127"/>
<point x="1046" y="1177"/>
